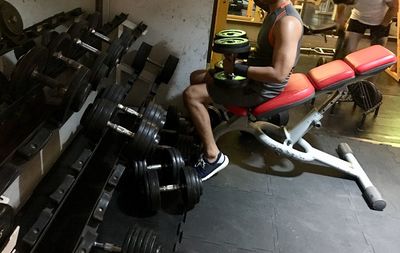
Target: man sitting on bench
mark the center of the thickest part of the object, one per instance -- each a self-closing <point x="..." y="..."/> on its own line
<point x="278" y="49"/>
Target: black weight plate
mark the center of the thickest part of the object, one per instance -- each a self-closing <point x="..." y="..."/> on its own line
<point x="142" y="141"/>
<point x="135" y="238"/>
<point x="72" y="99"/>
<point x="221" y="80"/>
<point x="231" y="45"/>
<point x="114" y="53"/>
<point x="96" y="117"/>
<point x="215" y="116"/>
<point x="128" y="238"/>
<point x="35" y="59"/>
<point x="78" y="30"/>
<point x="62" y="43"/>
<point x="188" y="190"/>
<point x="47" y="37"/>
<point x="146" y="241"/>
<point x="115" y="93"/>
<point x="126" y="38"/>
<point x="139" y="242"/>
<point x="231" y="33"/>
<point x="168" y="70"/>
<point x="153" y="113"/>
<point x="93" y="20"/>
<point x="365" y="94"/>
<point x="172" y="118"/>
<point x="152" y="245"/>
<point x="152" y="191"/>
<point x="98" y="69"/>
<point x="23" y="49"/>
<point x="175" y="163"/>
<point x="10" y="20"/>
<point x="141" y="57"/>
<point x="139" y="168"/>
<point x="6" y="222"/>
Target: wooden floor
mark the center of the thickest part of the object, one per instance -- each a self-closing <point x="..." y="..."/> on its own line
<point x="385" y="128"/>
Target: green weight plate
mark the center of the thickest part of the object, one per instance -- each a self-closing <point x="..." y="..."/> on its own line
<point x="231" y="33"/>
<point x="141" y="57"/>
<point x="152" y="191"/>
<point x="220" y="76"/>
<point x="231" y="45"/>
<point x="168" y="70"/>
<point x="10" y="20"/>
<point x="6" y="222"/>
<point x="35" y="59"/>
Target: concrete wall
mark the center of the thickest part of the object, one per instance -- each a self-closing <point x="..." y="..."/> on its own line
<point x="33" y="11"/>
<point x="181" y="28"/>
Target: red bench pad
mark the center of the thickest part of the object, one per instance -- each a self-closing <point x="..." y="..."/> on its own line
<point x="298" y="89"/>
<point x="370" y="58"/>
<point x="330" y="74"/>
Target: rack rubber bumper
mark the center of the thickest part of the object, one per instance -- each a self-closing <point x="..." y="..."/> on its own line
<point x="370" y="192"/>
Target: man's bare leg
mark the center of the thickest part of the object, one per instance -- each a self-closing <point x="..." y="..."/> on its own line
<point x="196" y="99"/>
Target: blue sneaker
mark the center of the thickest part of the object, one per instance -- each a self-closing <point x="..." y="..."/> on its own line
<point x="206" y="169"/>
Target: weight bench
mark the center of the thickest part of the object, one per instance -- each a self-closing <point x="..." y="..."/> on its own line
<point x="333" y="77"/>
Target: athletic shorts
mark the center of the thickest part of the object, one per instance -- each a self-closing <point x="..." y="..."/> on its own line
<point x="242" y="97"/>
<point x="377" y="31"/>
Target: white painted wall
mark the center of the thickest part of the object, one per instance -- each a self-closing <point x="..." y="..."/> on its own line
<point x="180" y="27"/>
<point x="33" y="11"/>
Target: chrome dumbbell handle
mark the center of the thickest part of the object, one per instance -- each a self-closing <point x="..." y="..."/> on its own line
<point x="87" y="46"/>
<point x="100" y="36"/>
<point x="120" y="129"/>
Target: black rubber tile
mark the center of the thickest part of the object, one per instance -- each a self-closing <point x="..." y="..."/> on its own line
<point x="381" y="231"/>
<point x="195" y="245"/>
<point x="307" y="227"/>
<point x="229" y="216"/>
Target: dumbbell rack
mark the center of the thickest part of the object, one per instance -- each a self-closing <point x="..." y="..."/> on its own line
<point x="36" y="134"/>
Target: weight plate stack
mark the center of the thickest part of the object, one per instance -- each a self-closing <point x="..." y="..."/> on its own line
<point x="231" y="45"/>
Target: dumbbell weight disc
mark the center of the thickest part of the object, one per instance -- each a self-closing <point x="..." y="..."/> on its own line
<point x="99" y="69"/>
<point x="231" y="45"/>
<point x="231" y="33"/>
<point x="35" y="59"/>
<point x="93" y="20"/>
<point x="168" y="70"/>
<point x="78" y="30"/>
<point x="151" y="191"/>
<point x="96" y="116"/>
<point x="10" y="20"/>
<point x="141" y="57"/>
<point x="6" y="222"/>
<point x="175" y="163"/>
<point x="114" y="53"/>
<point x="221" y="80"/>
<point x="154" y="113"/>
<point x="78" y="90"/>
<point x="145" y="140"/>
<point x="62" y="43"/>
<point x="192" y="187"/>
<point x="114" y="93"/>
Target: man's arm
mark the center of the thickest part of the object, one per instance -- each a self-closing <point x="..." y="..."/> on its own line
<point x="287" y="33"/>
<point x="342" y="15"/>
<point x="392" y="12"/>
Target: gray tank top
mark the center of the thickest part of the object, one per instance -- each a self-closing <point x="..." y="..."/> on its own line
<point x="264" y="50"/>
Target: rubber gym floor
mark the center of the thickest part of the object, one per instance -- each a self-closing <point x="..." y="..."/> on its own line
<point x="265" y="203"/>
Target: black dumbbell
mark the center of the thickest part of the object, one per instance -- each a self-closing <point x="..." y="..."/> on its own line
<point x="166" y="160"/>
<point x="60" y="47"/>
<point x="189" y="185"/>
<point x="143" y="136"/>
<point x="114" y="51"/>
<point x="188" y="145"/>
<point x="231" y="46"/>
<point x="7" y="220"/>
<point x="167" y="69"/>
<point x="112" y="91"/>
<point x="70" y="93"/>
<point x="137" y="240"/>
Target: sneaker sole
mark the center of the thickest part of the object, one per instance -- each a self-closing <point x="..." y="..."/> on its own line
<point x="221" y="167"/>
